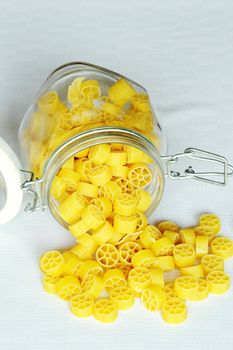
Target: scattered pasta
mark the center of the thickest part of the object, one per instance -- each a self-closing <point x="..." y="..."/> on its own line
<point x="112" y="258"/>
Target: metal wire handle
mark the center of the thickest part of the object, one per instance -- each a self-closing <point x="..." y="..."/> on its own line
<point x="190" y="173"/>
<point x="33" y="187"/>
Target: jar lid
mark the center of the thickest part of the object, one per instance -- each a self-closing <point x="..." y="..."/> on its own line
<point x="11" y="194"/>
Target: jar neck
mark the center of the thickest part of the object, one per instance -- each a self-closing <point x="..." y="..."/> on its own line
<point x="94" y="137"/>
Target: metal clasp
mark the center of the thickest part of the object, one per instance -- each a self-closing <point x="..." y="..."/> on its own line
<point x="34" y="188"/>
<point x="190" y="173"/>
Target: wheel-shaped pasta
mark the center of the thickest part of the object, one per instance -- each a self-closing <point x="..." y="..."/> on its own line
<point x="105" y="310"/>
<point x="202" y="245"/>
<point x="71" y="178"/>
<point x="52" y="263"/>
<point x="140" y="175"/>
<point x="169" y="290"/>
<point x="110" y="190"/>
<point x="88" y="190"/>
<point x="212" y="262"/>
<point x="48" y="103"/>
<point x="117" y="158"/>
<point x="107" y="255"/>
<point x="72" y="265"/>
<point x="125" y="224"/>
<point x="143" y="258"/>
<point x="81" y="305"/>
<point x="195" y="271"/>
<point x="104" y="205"/>
<point x="103" y="234"/>
<point x="139" y="278"/>
<point x="153" y="298"/>
<point x="186" y="287"/>
<point x="90" y="90"/>
<point x="70" y="210"/>
<point x="184" y="255"/>
<point x="127" y="251"/>
<point x="90" y="267"/>
<point x="93" y="217"/>
<point x="83" y="166"/>
<point x="93" y="285"/>
<point x="162" y="246"/>
<point x="168" y="226"/>
<point x="222" y="246"/>
<point x="212" y="221"/>
<point x="67" y="286"/>
<point x="125" y="185"/>
<point x="219" y="282"/>
<point x="149" y="235"/>
<point x="78" y="228"/>
<point x="98" y="154"/>
<point x="174" y="236"/>
<point x="124" y="204"/>
<point x="121" y="92"/>
<point x="157" y="276"/>
<point x="74" y="91"/>
<point x="134" y="155"/>
<point x="49" y="283"/>
<point x="166" y="263"/>
<point x="123" y="296"/>
<point x="141" y="220"/>
<point x="203" y="289"/>
<point x="204" y="231"/>
<point x="143" y="200"/>
<point x="188" y="236"/>
<point x="174" y="311"/>
<point x="141" y="102"/>
<point x="58" y="187"/>
<point x="114" y="278"/>
<point x="100" y="175"/>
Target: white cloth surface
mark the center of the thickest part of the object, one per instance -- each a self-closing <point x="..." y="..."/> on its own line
<point x="182" y="52"/>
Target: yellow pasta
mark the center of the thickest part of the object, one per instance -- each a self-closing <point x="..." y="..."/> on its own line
<point x="121" y="92"/>
<point x="116" y="158"/>
<point x="58" y="187"/>
<point x="71" y="208"/>
<point x="88" y="190"/>
<point x="74" y="91"/>
<point x="119" y="171"/>
<point x="69" y="164"/>
<point x="100" y="175"/>
<point x="140" y="175"/>
<point x="110" y="190"/>
<point x="141" y="102"/>
<point x="78" y="228"/>
<point x="103" y="234"/>
<point x="93" y="217"/>
<point x="90" y="90"/>
<point x="88" y="242"/>
<point x="71" y="178"/>
<point x="124" y="204"/>
<point x="48" y="103"/>
<point x="99" y="154"/>
<point x="143" y="200"/>
<point x="104" y="205"/>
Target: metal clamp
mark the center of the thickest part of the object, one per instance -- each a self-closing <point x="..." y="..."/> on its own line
<point x="190" y="173"/>
<point x="34" y="188"/>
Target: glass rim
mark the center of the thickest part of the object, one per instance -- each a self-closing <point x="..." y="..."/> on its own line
<point x="94" y="137"/>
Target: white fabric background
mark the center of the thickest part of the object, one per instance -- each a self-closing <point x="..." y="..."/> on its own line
<point x="182" y="52"/>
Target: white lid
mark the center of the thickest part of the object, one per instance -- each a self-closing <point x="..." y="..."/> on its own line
<point x="10" y="171"/>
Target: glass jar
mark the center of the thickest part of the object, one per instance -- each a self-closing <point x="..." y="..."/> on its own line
<point x="78" y="98"/>
<point x="81" y="105"/>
